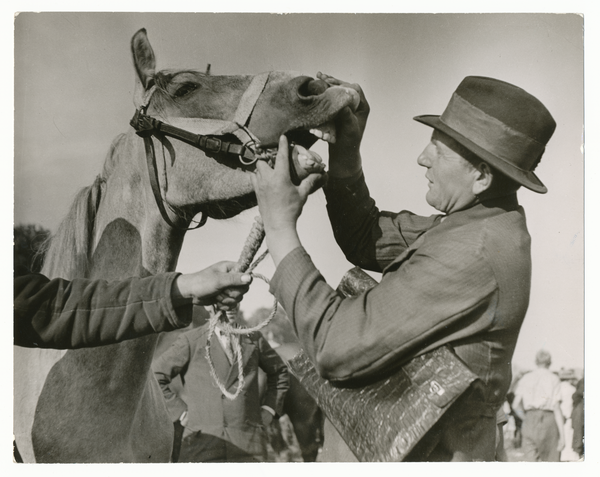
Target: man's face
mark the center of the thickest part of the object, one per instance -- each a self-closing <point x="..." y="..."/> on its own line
<point x="451" y="176"/>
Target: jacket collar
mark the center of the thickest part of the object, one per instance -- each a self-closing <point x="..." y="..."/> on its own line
<point x="481" y="211"/>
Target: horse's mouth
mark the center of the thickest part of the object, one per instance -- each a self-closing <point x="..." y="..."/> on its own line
<point x="307" y="137"/>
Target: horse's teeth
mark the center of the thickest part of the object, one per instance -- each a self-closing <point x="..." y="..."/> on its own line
<point x="325" y="132"/>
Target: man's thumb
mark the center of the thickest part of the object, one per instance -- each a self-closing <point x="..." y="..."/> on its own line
<point x="312" y="183"/>
<point x="234" y="279"/>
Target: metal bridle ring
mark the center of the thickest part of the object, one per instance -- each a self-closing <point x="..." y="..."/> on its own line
<point x="248" y="162"/>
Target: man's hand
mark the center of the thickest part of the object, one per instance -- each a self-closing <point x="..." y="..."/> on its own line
<point x="215" y="285"/>
<point x="266" y="417"/>
<point x="280" y="202"/>
<point x="344" y="154"/>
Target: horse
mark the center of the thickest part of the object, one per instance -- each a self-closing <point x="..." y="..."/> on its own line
<point x="103" y="404"/>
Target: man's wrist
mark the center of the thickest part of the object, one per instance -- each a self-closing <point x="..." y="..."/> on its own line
<point x="281" y="242"/>
<point x="180" y="295"/>
<point x="344" y="164"/>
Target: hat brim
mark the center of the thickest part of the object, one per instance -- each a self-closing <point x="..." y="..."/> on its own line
<point x="525" y="178"/>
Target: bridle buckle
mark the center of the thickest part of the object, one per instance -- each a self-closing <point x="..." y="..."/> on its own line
<point x="213" y="144"/>
<point x="144" y="125"/>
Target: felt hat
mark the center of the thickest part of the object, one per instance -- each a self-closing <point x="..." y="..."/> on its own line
<point x="502" y="124"/>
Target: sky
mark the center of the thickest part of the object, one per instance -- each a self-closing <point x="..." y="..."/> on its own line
<point x="73" y="82"/>
<point x="73" y="94"/>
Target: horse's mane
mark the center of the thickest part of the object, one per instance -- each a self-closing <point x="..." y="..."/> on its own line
<point x="67" y="253"/>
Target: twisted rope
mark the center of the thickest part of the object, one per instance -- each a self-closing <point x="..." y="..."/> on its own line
<point x="220" y="318"/>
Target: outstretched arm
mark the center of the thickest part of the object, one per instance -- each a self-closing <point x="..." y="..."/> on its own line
<point x="85" y="313"/>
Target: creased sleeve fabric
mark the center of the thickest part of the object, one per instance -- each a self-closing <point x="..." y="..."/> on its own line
<point x="370" y="238"/>
<point x="462" y="279"/>
<point x="413" y="309"/>
<point x="85" y="313"/>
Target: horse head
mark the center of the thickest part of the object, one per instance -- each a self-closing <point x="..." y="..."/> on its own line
<point x="260" y="108"/>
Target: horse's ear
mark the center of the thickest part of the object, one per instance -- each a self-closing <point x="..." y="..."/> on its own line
<point x="145" y="64"/>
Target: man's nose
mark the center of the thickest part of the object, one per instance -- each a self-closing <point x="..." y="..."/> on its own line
<point x="423" y="159"/>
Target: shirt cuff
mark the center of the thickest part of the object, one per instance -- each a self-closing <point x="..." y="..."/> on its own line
<point x="268" y="409"/>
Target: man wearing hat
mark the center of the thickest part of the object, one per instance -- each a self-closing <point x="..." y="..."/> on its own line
<point x="461" y="277"/>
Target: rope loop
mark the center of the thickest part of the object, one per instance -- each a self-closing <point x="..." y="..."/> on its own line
<point x="234" y="333"/>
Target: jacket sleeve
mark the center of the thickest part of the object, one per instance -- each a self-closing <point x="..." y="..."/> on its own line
<point x="278" y="381"/>
<point x="370" y="238"/>
<point x="85" y="313"/>
<point x="174" y="361"/>
<point x="412" y="310"/>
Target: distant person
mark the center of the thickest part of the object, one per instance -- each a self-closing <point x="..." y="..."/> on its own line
<point x="538" y="396"/>
<point x="577" y="417"/>
<point x="83" y="313"/>
<point x="517" y="417"/>
<point x="568" y="380"/>
<point x="501" y="420"/>
<point x="217" y="429"/>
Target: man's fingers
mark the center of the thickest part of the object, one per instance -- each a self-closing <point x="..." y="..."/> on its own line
<point x="312" y="183"/>
<point x="282" y="163"/>
<point x="329" y="79"/>
<point x="234" y="279"/>
<point x="236" y="293"/>
<point x="262" y="170"/>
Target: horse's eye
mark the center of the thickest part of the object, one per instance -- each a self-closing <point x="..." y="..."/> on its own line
<point x="185" y="89"/>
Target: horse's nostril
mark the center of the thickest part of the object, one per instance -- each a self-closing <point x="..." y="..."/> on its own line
<point x="312" y="87"/>
<point x="317" y="86"/>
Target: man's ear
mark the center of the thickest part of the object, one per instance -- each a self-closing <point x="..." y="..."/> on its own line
<point x="484" y="179"/>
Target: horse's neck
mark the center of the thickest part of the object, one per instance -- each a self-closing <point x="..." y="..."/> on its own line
<point x="130" y="239"/>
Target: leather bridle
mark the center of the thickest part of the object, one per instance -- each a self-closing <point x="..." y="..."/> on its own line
<point x="207" y="139"/>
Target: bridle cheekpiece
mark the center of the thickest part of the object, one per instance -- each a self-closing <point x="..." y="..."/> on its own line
<point x="204" y="134"/>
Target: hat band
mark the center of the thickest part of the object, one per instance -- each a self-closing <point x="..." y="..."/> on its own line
<point x="491" y="134"/>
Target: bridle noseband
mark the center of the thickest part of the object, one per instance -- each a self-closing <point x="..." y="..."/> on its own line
<point x="208" y="139"/>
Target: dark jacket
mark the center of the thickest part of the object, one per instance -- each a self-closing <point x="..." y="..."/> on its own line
<point x="237" y="421"/>
<point x="463" y="281"/>
<point x="85" y="313"/>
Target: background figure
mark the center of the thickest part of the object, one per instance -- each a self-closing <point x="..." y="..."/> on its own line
<point x="298" y="435"/>
<point x="578" y="419"/>
<point x="517" y="436"/>
<point x="501" y="421"/>
<point x="568" y="380"/>
<point x="538" y="396"/>
<point x="215" y="428"/>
